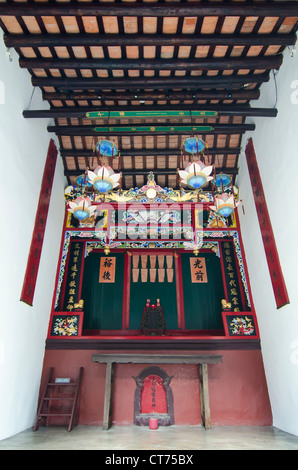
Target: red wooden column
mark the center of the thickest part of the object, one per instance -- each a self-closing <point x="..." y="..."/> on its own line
<point x="39" y="226"/>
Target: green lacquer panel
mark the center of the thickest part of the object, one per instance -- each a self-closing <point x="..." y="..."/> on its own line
<point x="103" y="302"/>
<point x="202" y="301"/>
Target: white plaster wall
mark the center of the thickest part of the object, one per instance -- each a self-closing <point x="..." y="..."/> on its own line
<point x="23" y="329"/>
<point x="276" y="146"/>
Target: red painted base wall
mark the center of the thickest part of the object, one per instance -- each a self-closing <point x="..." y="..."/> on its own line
<point x="237" y="388"/>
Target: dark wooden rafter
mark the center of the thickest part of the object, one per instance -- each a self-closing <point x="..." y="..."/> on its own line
<point x="156" y="171"/>
<point x="168" y="9"/>
<point x="72" y="40"/>
<point x="150" y="83"/>
<point x="80" y="112"/>
<point x="256" y="63"/>
<point x="148" y="152"/>
<point x="229" y="94"/>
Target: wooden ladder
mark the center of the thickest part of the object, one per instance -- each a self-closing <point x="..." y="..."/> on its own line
<point x="44" y="409"/>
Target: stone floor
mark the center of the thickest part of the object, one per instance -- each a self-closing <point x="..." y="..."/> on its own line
<point x="123" y="438"/>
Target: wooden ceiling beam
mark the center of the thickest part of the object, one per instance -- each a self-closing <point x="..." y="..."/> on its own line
<point x="229" y="63"/>
<point x="147" y="152"/>
<point x="156" y="171"/>
<point x="149" y="82"/>
<point x="72" y="40"/>
<point x="89" y="130"/>
<point x="80" y="112"/>
<point x="168" y="9"/>
<point x="162" y="95"/>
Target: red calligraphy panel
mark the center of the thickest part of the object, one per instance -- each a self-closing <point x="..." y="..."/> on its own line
<point x="107" y="269"/>
<point x="198" y="270"/>
<point x="277" y="279"/>
<point x="40" y="225"/>
<point x="153" y="397"/>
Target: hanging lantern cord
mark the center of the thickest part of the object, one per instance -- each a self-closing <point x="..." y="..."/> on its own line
<point x="214" y="183"/>
<point x="208" y="156"/>
<point x="198" y="155"/>
<point x="120" y="185"/>
<point x="98" y="155"/>
<point x="93" y="152"/>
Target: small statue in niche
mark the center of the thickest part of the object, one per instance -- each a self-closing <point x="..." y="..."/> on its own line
<point x="153" y="322"/>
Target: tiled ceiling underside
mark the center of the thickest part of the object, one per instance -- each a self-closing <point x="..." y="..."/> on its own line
<point x="149" y="56"/>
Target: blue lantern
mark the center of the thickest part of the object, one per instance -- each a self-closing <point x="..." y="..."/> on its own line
<point x="196" y="175"/>
<point x="224" y="204"/>
<point x="104" y="179"/>
<point x="107" y="148"/>
<point x="81" y="208"/>
<point x="194" y="145"/>
<point x="83" y="181"/>
<point x="222" y="180"/>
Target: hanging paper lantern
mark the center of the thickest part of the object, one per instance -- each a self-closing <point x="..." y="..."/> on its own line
<point x="83" y="181"/>
<point x="81" y="208"/>
<point x="222" y="180"/>
<point x="224" y="204"/>
<point x="196" y="175"/>
<point x="107" y="148"/>
<point x="69" y="193"/>
<point x="194" y="145"/>
<point x="104" y="179"/>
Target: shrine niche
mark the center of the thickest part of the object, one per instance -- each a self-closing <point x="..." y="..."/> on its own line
<point x="153" y="397"/>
